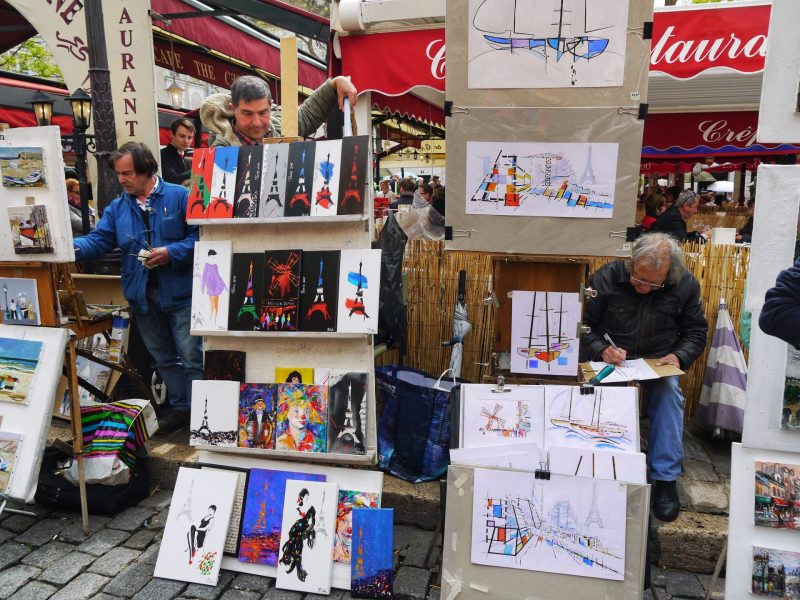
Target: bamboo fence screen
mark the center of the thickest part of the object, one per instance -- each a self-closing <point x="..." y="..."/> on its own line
<point x="432" y="285"/>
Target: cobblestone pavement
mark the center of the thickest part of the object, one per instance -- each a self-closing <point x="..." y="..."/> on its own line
<point x="50" y="557"/>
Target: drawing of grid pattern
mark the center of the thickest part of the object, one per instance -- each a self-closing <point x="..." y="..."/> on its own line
<point x="507" y="530"/>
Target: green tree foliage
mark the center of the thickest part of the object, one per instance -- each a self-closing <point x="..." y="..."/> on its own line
<point x="31" y="57"/>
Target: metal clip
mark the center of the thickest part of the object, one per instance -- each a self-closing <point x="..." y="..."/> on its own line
<point x="501" y="386"/>
<point x="491" y="299"/>
<point x="543" y="472"/>
<point x="618" y="234"/>
<point x="583" y="329"/>
<point x="463" y="232"/>
<point x="628" y="110"/>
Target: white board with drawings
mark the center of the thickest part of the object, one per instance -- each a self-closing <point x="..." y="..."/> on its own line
<point x="48" y="236"/>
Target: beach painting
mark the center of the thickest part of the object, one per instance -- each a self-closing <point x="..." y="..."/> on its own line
<point x="9" y="444"/>
<point x="22" y="167"/>
<point x="18" y="362"/>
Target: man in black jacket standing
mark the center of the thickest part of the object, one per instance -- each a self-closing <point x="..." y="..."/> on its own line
<point x="175" y="167"/>
<point x="650" y="307"/>
<point x="673" y="220"/>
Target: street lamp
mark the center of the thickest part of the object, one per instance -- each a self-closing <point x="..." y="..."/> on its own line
<point x="81" y="104"/>
<point x="42" y="108"/>
<point x="175" y="91"/>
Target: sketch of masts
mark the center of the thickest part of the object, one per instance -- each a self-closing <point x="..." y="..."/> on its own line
<point x="562" y="516"/>
<point x="506" y="188"/>
<point x="598" y="430"/>
<point x="526" y="25"/>
<point x="273" y="193"/>
<point x="594" y="519"/>
<point x="588" y="171"/>
<point x="554" y="342"/>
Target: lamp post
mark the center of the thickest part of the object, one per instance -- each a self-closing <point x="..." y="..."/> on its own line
<point x="81" y="104"/>
<point x="42" y="108"/>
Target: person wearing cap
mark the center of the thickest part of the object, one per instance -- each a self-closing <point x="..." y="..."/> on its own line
<point x="673" y="220"/>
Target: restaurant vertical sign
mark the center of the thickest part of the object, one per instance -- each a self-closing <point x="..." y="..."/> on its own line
<point x="129" y="44"/>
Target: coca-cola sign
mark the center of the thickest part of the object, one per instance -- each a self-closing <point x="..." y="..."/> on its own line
<point x="393" y="63"/>
<point x="688" y="42"/>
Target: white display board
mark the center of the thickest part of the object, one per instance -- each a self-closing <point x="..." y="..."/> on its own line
<point x="778" y="116"/>
<point x="774" y="229"/>
<point x="32" y="420"/>
<point x="743" y="533"/>
<point x="53" y="196"/>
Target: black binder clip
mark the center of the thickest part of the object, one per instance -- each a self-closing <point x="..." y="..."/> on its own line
<point x="543" y="472"/>
<point x="586" y="389"/>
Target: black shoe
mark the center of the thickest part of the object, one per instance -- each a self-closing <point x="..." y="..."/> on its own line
<point x="173" y="421"/>
<point x="666" y="504"/>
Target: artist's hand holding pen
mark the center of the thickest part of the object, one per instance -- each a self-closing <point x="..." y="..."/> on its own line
<point x="612" y="354"/>
<point x="158" y="257"/>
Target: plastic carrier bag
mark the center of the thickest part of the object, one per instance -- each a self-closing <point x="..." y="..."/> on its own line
<point x="414" y="428"/>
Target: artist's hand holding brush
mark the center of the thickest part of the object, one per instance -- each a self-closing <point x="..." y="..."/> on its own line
<point x="158" y="257"/>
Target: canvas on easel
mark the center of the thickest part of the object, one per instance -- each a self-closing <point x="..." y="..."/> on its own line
<point x="30" y="229"/>
<point x="19" y="301"/>
<point x="9" y="444"/>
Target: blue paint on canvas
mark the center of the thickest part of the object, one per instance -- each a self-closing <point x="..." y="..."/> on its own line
<point x="372" y="561"/>
<point x="263" y="514"/>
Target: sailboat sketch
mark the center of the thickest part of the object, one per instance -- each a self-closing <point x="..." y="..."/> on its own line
<point x="541" y="179"/>
<point x="544" y="328"/>
<point x="553" y="525"/>
<point x="546" y="43"/>
<point x="604" y="419"/>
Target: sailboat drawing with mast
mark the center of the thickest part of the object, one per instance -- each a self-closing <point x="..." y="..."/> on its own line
<point x="545" y="345"/>
<point x="523" y="25"/>
<point x="602" y="432"/>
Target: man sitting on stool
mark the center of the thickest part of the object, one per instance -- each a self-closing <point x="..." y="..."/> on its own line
<point x="650" y="306"/>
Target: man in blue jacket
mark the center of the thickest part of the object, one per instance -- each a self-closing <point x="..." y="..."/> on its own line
<point x="780" y="315"/>
<point x="148" y="223"/>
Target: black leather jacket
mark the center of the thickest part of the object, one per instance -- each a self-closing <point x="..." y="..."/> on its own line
<point x="669" y="320"/>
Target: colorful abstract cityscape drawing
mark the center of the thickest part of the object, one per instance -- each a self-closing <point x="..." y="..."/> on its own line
<point x="546" y="44"/>
<point x="554" y="525"/>
<point x="18" y="362"/>
<point x="9" y="445"/>
<point x="325" y="187"/>
<point x="306" y="545"/>
<point x="371" y="573"/>
<point x="30" y="229"/>
<point x="604" y="419"/>
<point x="197" y="526"/>
<point x="273" y="180"/>
<point x="19" y="302"/>
<point x="210" y="291"/>
<point x="263" y="514"/>
<point x="349" y="500"/>
<point x="776" y="573"/>
<point x="492" y="419"/>
<point x="302" y="420"/>
<point x="223" y="183"/>
<point x="22" y="166"/>
<point x="538" y="179"/>
<point x="213" y="420"/>
<point x="258" y="404"/>
<point x="544" y="332"/>
<point x="776" y="487"/>
<point x="359" y="291"/>
<point x="200" y="191"/>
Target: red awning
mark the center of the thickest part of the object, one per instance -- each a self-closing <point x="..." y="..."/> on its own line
<point x="394" y="63"/>
<point x="779" y="501"/>
<point x="409" y="106"/>
<point x="681" y="136"/>
<point x="688" y="42"/>
<point x="211" y="32"/>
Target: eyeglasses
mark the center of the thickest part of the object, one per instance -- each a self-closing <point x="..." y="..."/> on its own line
<point x="656" y="286"/>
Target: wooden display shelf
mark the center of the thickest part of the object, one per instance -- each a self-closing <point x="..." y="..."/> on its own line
<point x="284" y="334"/>
<point x="279" y="220"/>
<point x="336" y="458"/>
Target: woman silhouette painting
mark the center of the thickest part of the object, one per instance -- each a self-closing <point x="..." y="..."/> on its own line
<point x="212" y="283"/>
<point x="302" y="530"/>
<point x="197" y="534"/>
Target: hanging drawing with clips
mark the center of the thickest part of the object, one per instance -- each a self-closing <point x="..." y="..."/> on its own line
<point x="546" y="43"/>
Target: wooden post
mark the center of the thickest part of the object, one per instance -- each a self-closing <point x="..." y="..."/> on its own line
<point x="289" y="126"/>
<point x="77" y="428"/>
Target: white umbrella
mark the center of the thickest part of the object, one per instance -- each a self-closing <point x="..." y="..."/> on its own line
<point x="461" y="326"/>
<point x="723" y="187"/>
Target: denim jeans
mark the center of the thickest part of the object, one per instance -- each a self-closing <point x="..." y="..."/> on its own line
<point x="178" y="355"/>
<point x="665" y="446"/>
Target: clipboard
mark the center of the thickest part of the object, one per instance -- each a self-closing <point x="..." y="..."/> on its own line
<point x="662" y="370"/>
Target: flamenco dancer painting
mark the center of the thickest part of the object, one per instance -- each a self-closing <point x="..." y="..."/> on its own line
<point x="197" y="533"/>
<point x="301" y="531"/>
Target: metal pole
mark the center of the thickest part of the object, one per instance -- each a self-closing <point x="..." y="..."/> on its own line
<point x="79" y="147"/>
<point x="102" y="105"/>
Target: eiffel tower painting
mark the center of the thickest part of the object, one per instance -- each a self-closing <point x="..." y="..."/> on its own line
<point x="593" y="519"/>
<point x="300" y="195"/>
<point x="588" y="171"/>
<point x="319" y="306"/>
<point x="247" y="190"/>
<point x="248" y="304"/>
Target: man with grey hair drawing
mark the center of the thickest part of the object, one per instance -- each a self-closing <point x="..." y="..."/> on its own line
<point x="650" y="307"/>
<point x="246" y="116"/>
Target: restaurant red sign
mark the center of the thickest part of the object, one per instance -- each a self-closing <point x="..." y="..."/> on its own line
<point x="393" y="63"/>
<point x="688" y="42"/>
